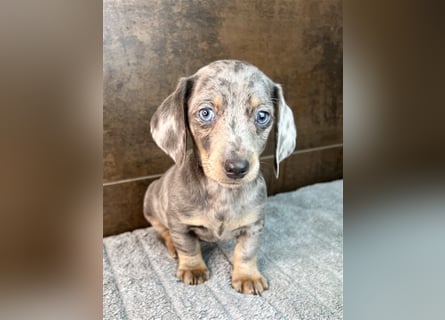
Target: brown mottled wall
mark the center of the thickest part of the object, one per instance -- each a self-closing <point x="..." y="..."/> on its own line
<point x="149" y="44"/>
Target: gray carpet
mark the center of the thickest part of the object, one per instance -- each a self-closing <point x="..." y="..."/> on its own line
<point x="301" y="256"/>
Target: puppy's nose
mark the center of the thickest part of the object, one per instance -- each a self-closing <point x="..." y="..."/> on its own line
<point x="236" y="169"/>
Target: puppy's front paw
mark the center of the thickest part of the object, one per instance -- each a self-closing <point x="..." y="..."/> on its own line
<point x="250" y="284"/>
<point x="193" y="275"/>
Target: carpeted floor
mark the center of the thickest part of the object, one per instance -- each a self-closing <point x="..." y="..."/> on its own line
<point x="301" y="255"/>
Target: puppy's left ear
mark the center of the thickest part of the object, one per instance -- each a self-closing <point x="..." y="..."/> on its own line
<point x="286" y="131"/>
<point x="169" y="123"/>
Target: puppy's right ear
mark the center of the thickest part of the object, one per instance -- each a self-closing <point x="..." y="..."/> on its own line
<point x="169" y="123"/>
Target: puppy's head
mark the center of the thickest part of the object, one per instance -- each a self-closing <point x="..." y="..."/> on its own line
<point x="229" y="108"/>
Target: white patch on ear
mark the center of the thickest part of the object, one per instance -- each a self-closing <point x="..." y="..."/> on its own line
<point x="286" y="133"/>
<point x="167" y="125"/>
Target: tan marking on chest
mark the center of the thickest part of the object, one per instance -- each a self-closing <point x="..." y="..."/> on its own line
<point x="222" y="228"/>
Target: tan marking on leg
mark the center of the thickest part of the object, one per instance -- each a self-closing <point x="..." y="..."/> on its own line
<point x="245" y="276"/>
<point x="192" y="269"/>
<point x="165" y="236"/>
<point x="169" y="244"/>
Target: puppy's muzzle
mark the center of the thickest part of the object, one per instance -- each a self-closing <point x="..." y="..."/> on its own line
<point x="236" y="168"/>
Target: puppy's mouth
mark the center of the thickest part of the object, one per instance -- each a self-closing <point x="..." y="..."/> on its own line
<point x="231" y="184"/>
<point x="225" y="181"/>
<point x="234" y="183"/>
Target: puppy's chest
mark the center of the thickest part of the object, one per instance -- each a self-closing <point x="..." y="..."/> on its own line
<point x="222" y="220"/>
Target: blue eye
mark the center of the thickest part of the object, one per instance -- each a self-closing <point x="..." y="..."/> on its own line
<point x="262" y="118"/>
<point x="206" y="114"/>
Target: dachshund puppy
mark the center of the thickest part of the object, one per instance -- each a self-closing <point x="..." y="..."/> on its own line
<point x="215" y="191"/>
